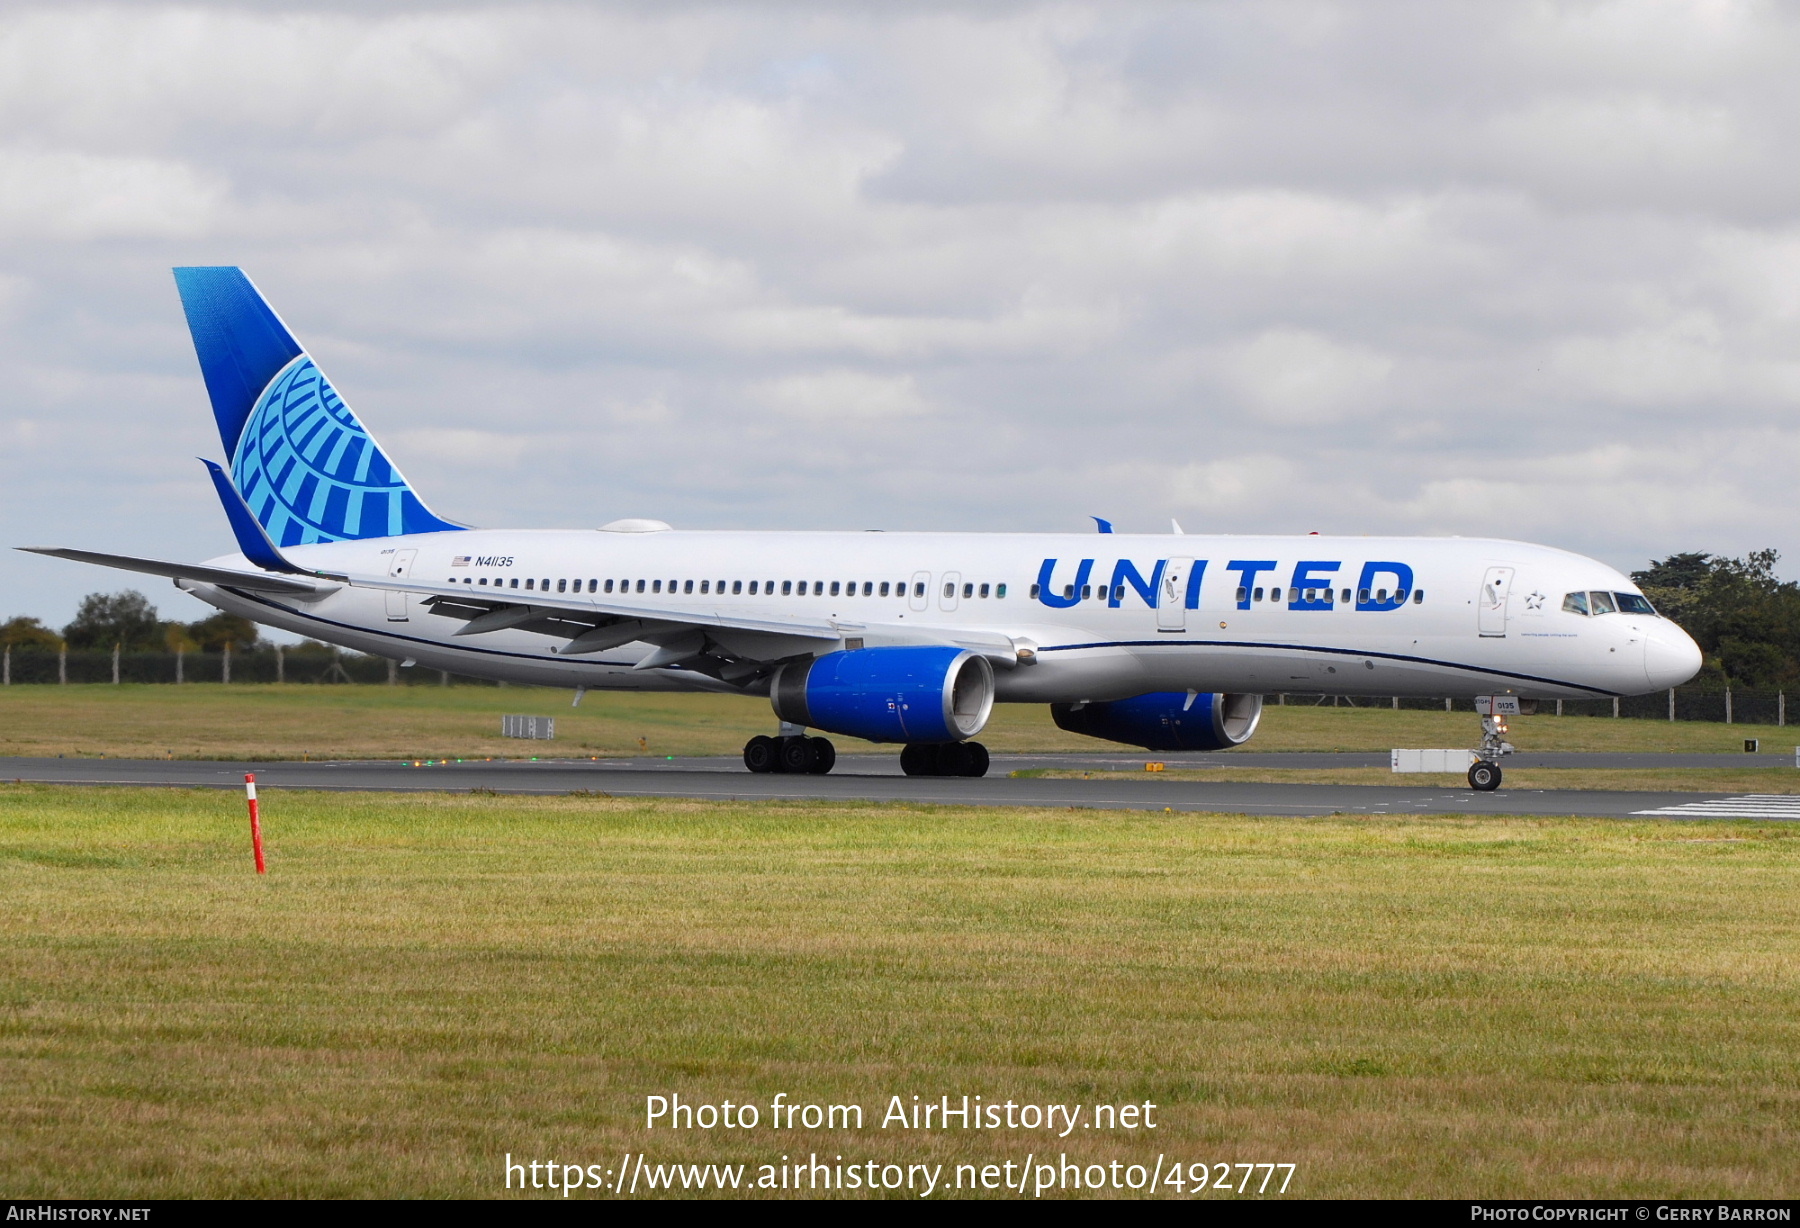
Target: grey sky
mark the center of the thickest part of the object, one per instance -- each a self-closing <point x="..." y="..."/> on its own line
<point x="1524" y="269"/>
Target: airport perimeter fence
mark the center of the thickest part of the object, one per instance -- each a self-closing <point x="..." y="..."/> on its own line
<point x="1729" y="705"/>
<point x="37" y="666"/>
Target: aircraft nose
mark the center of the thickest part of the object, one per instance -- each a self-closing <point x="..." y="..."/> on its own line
<point x="1670" y="656"/>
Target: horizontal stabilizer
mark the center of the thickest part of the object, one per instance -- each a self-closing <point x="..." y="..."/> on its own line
<point x="255" y="581"/>
<point x="251" y="539"/>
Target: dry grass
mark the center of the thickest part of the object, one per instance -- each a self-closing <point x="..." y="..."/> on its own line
<point x="1431" y="1007"/>
<point x="1680" y="780"/>
<point x="209" y="721"/>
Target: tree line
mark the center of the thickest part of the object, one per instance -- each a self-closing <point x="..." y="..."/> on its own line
<point x="1745" y="620"/>
<point x="127" y="620"/>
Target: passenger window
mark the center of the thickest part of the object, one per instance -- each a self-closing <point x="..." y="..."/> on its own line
<point x="884" y="588"/>
<point x="1257" y="595"/>
<point x="949" y="590"/>
<point x="687" y="586"/>
<point x="999" y="591"/>
<point x="1399" y="596"/>
<point x="968" y="590"/>
<point x="482" y="581"/>
<point x="1362" y="596"/>
<point x="1345" y="598"/>
<point x="818" y="588"/>
<point x="609" y="584"/>
<point x="869" y="588"/>
<point x="984" y="590"/>
<point x="787" y="588"/>
<point x="1418" y="596"/>
<point x="704" y="587"/>
<point x="1068" y="592"/>
<point x="528" y="584"/>
<point x="1087" y="591"/>
<point x="737" y="586"/>
<point x="1274" y="594"/>
<point x="1601" y="603"/>
<point x="834" y="588"/>
<point x="753" y="588"/>
<point x="562" y="586"/>
<point x="656" y="586"/>
<point x="1381" y="596"/>
<point x="640" y="586"/>
<point x="515" y="582"/>
<point x="919" y="589"/>
<point x="1243" y="594"/>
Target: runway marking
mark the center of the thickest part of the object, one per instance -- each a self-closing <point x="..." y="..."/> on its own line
<point x="1748" y="806"/>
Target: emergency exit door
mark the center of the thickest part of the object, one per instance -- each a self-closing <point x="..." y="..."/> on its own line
<point x="1496" y="586"/>
<point x="401" y="568"/>
<point x="1171" y="598"/>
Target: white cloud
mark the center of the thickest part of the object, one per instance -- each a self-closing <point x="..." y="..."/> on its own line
<point x="845" y="396"/>
<point x="1296" y="377"/>
<point x="71" y="195"/>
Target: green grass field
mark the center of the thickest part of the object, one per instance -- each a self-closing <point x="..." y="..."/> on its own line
<point x="209" y="721"/>
<point x="421" y="985"/>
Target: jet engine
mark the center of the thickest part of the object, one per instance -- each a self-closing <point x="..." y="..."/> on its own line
<point x="1167" y="720"/>
<point x="925" y="694"/>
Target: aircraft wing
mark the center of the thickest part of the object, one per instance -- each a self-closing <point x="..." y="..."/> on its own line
<point x="595" y="626"/>
<point x="256" y="581"/>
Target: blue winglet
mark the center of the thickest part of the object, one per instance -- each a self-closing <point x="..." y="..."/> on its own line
<point x="1103" y="526"/>
<point x="250" y="536"/>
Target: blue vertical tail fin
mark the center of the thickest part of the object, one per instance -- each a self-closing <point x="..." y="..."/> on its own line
<point x="305" y="465"/>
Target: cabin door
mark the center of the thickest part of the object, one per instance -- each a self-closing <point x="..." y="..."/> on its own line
<point x="401" y="568"/>
<point x="1495" y="587"/>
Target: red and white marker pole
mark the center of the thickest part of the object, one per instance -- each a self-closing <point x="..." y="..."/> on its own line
<point x="255" y="821"/>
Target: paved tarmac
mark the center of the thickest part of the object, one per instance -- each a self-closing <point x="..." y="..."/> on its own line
<point x="878" y="778"/>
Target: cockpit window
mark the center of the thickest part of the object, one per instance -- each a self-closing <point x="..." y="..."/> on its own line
<point x="1632" y="603"/>
<point x="1602" y="603"/>
<point x="1575" y="603"/>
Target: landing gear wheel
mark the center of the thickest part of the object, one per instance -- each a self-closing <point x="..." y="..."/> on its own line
<point x="918" y="759"/>
<point x="759" y="754"/>
<point x="798" y="755"/>
<point x="824" y="756"/>
<point x="1484" y="777"/>
<point x="944" y="759"/>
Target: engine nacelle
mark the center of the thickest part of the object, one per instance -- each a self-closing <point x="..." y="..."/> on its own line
<point x="926" y="694"/>
<point x="1167" y="720"/>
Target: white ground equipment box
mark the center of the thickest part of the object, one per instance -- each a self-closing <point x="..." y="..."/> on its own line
<point x="528" y="727"/>
<point x="1457" y="761"/>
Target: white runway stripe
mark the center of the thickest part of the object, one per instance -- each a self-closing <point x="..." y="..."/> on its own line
<point x="1749" y="806"/>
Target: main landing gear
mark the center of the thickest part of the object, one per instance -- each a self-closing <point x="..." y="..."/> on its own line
<point x="797" y="755"/>
<point x="944" y="759"/>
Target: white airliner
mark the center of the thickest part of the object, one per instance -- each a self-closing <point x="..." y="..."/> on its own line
<point x="1167" y="642"/>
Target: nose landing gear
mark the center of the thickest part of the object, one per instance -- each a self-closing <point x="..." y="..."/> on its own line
<point x="944" y="759"/>
<point x="796" y="754"/>
<point x="1484" y="773"/>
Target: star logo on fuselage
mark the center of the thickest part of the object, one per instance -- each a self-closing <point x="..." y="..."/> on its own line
<point x="1535" y="601"/>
